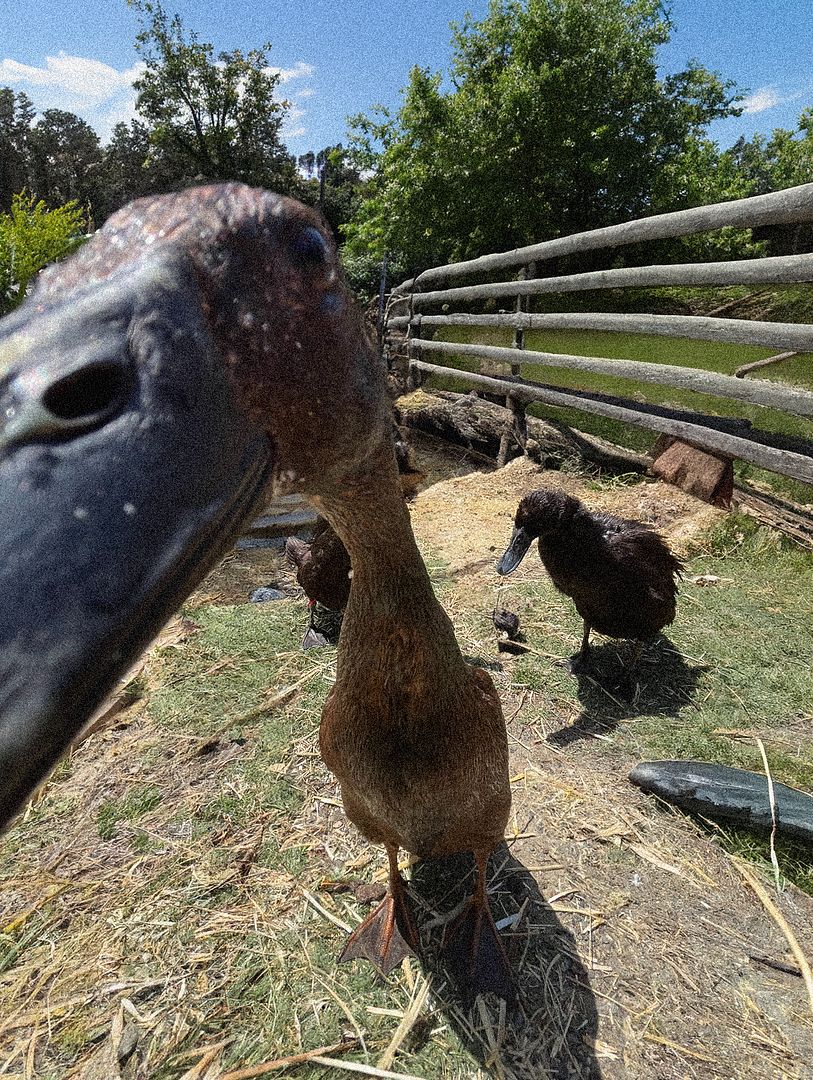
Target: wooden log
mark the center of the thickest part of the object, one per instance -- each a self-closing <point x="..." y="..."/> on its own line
<point x="760" y="449"/>
<point x="478" y="425"/>
<point x="780" y="207"/>
<point x="789" y="518"/>
<point x="741" y="372"/>
<point x="756" y="391"/>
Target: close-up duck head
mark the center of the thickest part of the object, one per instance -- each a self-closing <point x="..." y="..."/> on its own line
<point x="540" y="513"/>
<point x="198" y="353"/>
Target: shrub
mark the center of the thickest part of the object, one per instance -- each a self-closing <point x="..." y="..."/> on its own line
<point x="31" y="237"/>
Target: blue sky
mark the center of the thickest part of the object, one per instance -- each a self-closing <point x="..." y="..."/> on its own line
<point x="339" y="58"/>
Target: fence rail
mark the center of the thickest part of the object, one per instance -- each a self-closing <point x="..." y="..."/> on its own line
<point x="788" y="456"/>
<point x="786" y="207"/>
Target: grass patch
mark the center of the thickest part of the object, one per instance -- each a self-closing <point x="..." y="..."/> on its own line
<point x="129" y="808"/>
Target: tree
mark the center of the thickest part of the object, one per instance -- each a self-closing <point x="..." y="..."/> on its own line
<point x="211" y="118"/>
<point x="16" y="116"/>
<point x="333" y="183"/>
<point x="132" y="168"/>
<point x="556" y="121"/>
<point x="64" y="152"/>
<point x="783" y="160"/>
<point x="31" y="237"/>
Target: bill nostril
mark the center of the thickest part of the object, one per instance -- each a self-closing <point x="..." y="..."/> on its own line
<point x="89" y="393"/>
<point x="37" y="408"/>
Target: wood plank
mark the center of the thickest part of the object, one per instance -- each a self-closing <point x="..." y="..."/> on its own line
<point x="755" y="391"/>
<point x="779" y="207"/>
<point x="785" y="269"/>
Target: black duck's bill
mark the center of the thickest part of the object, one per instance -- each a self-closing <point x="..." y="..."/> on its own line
<point x="126" y="470"/>
<point x="515" y="552"/>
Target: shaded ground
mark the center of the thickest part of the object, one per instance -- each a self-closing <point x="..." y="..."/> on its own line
<point x="172" y="903"/>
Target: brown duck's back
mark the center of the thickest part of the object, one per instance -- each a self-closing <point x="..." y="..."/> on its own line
<point x="322" y="567"/>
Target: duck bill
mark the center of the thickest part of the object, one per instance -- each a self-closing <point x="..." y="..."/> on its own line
<point x="126" y="470"/>
<point x="513" y="555"/>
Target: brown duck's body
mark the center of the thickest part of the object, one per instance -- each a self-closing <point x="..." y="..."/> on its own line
<point x="620" y="574"/>
<point x="322" y="566"/>
<point x="415" y="736"/>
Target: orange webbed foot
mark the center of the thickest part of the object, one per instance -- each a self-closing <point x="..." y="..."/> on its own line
<point x="473" y="948"/>
<point x="475" y="954"/>
<point x="386" y="936"/>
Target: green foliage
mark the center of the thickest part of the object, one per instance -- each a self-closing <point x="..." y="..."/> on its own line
<point x="701" y="175"/>
<point x="363" y="272"/>
<point x="64" y="154"/>
<point x="31" y="237"/>
<point x="211" y="117"/>
<point x="784" y="160"/>
<point x="333" y="183"/>
<point x="557" y="122"/>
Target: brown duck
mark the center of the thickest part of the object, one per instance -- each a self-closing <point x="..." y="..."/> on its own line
<point x="199" y="352"/>
<point x="620" y="574"/>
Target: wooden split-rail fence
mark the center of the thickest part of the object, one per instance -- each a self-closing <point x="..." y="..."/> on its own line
<point x="413" y="310"/>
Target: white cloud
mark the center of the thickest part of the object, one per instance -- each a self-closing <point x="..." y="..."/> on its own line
<point x="97" y="92"/>
<point x="292" y="128"/>
<point x="767" y="97"/>
<point x="300" y="70"/>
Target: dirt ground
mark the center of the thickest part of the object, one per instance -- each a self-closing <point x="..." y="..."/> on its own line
<point x="649" y="960"/>
<point x="638" y="904"/>
<point x="642" y="950"/>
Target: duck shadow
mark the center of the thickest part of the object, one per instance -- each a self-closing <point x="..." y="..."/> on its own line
<point x="550" y="1029"/>
<point x="660" y="684"/>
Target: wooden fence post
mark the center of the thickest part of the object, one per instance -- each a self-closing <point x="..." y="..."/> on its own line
<point x="415" y="377"/>
<point x="517" y="428"/>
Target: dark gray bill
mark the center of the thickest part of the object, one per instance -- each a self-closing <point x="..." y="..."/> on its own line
<point x="126" y="470"/>
<point x="514" y="553"/>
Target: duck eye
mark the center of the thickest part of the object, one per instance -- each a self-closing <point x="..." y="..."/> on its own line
<point x="89" y="393"/>
<point x="310" y="245"/>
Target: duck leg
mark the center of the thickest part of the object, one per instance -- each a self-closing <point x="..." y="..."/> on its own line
<point x="581" y="660"/>
<point x="388" y="934"/>
<point x="472" y="944"/>
<point x="323" y="626"/>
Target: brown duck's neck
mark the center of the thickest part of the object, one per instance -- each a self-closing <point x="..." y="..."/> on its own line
<point x="392" y="607"/>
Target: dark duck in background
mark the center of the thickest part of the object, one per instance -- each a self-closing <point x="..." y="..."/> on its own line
<point x="620" y="574"/>
<point x="322" y="566"/>
<point x="199" y="352"/>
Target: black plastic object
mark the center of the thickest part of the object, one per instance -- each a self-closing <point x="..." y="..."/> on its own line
<point x="723" y="793"/>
